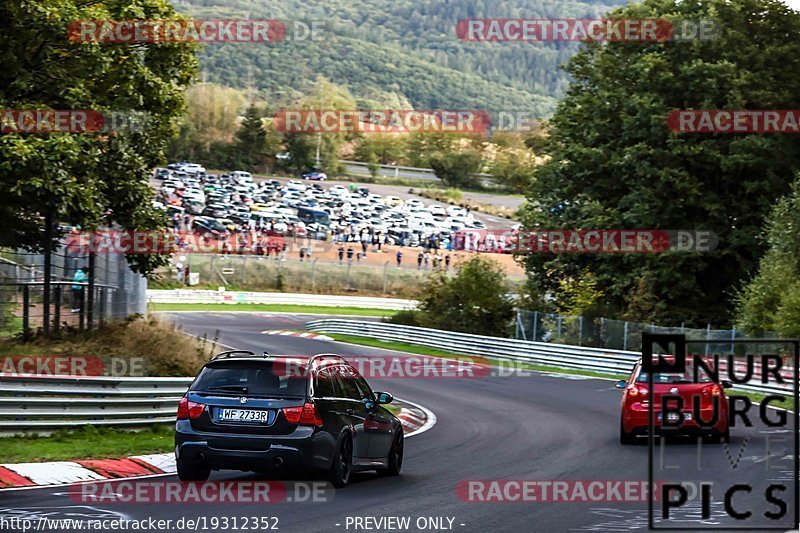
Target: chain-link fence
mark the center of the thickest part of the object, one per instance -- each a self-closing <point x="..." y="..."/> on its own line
<point x="274" y="273"/>
<point x="607" y="333"/>
<point x="109" y="289"/>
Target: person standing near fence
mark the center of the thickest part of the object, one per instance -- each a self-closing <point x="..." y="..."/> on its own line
<point x="399" y="258"/>
<point x="77" y="290"/>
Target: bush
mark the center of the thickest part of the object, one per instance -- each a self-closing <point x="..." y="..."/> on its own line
<point x="164" y="349"/>
<point x="475" y="300"/>
<point x="407" y="317"/>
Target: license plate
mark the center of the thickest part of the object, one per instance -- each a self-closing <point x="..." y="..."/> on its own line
<point x="244" y="415"/>
<point x="673" y="417"/>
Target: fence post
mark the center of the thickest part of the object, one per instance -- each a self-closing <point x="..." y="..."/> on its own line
<point x="90" y="294"/>
<point x="602" y="332"/>
<point x="26" y="310"/>
<point x="580" y="330"/>
<point x="57" y="309"/>
<point x="708" y="335"/>
<point x="733" y="338"/>
<point x="349" y="264"/>
<point x="625" y="335"/>
<point x="385" y="273"/>
<point x="558" y="330"/>
<point x="314" y="273"/>
<point x="535" y="324"/>
<point x="520" y="327"/>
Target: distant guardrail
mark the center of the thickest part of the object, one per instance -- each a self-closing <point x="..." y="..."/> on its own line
<point x="612" y="362"/>
<point x="40" y="403"/>
<point x="399" y="171"/>
<point x="190" y="296"/>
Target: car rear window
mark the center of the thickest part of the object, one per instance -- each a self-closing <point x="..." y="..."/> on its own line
<point x="686" y="376"/>
<point x="254" y="378"/>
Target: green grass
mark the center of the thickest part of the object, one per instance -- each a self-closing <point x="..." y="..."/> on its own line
<point x="87" y="443"/>
<point x="274" y="308"/>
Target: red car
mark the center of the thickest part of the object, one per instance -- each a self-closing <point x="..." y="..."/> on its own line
<point x="634" y="421"/>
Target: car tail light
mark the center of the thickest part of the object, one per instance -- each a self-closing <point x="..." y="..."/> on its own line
<point x="190" y="410"/>
<point x="308" y="415"/>
<point x="637" y="391"/>
<point x="709" y="393"/>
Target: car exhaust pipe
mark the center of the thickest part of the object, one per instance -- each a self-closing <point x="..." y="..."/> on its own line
<point x="278" y="461"/>
<point x="201" y="456"/>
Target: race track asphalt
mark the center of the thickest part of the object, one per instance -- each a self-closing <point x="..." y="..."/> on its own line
<point x="535" y="427"/>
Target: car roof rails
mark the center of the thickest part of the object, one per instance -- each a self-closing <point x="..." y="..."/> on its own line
<point x="324" y="355"/>
<point x="237" y="353"/>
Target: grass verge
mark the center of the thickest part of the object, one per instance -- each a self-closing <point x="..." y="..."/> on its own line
<point x="87" y="443"/>
<point x="134" y="347"/>
<point x="275" y="308"/>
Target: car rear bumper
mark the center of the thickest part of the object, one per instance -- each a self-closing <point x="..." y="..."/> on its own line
<point x="305" y="448"/>
<point x="638" y="423"/>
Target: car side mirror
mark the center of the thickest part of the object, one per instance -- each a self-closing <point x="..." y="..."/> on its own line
<point x="383" y="397"/>
<point x="726" y="384"/>
<point x="620" y="384"/>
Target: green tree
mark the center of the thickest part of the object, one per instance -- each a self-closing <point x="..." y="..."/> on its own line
<point x="475" y="300"/>
<point x="457" y="169"/>
<point x="770" y="302"/>
<point x="304" y="147"/>
<point x="615" y="164"/>
<point x="85" y="179"/>
<point x="250" y="148"/>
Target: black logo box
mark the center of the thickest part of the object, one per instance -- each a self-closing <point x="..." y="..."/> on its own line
<point x="675" y="345"/>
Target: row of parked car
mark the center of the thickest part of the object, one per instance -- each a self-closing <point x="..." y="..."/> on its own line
<point x="233" y="202"/>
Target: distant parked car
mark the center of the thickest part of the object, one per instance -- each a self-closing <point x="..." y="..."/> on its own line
<point x="316" y="176"/>
<point x="211" y="226"/>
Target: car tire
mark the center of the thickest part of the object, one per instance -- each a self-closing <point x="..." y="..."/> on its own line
<point x="624" y="436"/>
<point x="196" y="472"/>
<point x="395" y="461"/>
<point x="342" y="467"/>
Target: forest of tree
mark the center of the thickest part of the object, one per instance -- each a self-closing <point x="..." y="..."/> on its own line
<point x="386" y="51"/>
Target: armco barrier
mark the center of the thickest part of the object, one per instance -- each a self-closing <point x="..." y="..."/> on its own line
<point x="189" y="296"/>
<point x="600" y="360"/>
<point x="45" y="403"/>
